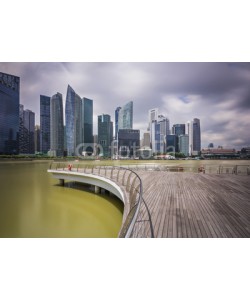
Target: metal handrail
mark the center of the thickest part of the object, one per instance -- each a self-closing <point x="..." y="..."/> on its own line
<point x="133" y="214"/>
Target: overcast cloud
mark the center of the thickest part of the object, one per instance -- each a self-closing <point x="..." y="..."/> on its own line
<point x="216" y="93"/>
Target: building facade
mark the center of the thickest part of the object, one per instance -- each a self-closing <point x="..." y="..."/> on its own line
<point x="105" y="134"/>
<point x="87" y="116"/>
<point x="44" y="124"/>
<point x="172" y="142"/>
<point x="196" y="136"/>
<point x="125" y="119"/>
<point x="116" y="121"/>
<point x="29" y="129"/>
<point x="37" y="138"/>
<point x="9" y="113"/>
<point x="128" y="142"/>
<point x="56" y="125"/>
<point x="184" y="144"/>
<point x="74" y="122"/>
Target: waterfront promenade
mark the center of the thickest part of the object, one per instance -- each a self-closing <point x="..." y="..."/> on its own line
<point x="183" y="204"/>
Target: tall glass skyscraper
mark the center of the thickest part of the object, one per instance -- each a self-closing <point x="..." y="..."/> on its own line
<point x="29" y="129"/>
<point x="9" y="113"/>
<point x="116" y="121"/>
<point x="74" y="122"/>
<point x="196" y="135"/>
<point x="87" y="115"/>
<point x="125" y="119"/>
<point x="105" y="134"/>
<point x="44" y="124"/>
<point x="56" y="125"/>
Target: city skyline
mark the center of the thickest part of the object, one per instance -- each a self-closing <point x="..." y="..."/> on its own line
<point x="216" y="93"/>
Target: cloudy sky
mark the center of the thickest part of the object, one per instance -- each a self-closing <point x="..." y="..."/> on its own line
<point x="216" y="93"/>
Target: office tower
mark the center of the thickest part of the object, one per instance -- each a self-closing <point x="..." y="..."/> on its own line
<point x="152" y="116"/>
<point x="189" y="132"/>
<point x="146" y="140"/>
<point x="172" y="142"/>
<point x="196" y="136"/>
<point x="56" y="125"/>
<point x="116" y="121"/>
<point x="178" y="129"/>
<point x="29" y="129"/>
<point x="44" y="124"/>
<point x="105" y="134"/>
<point x="87" y="117"/>
<point x="184" y="144"/>
<point x="23" y="132"/>
<point x="128" y="142"/>
<point x="37" y="138"/>
<point x="74" y="122"/>
<point x="125" y="119"/>
<point x="210" y="145"/>
<point x="9" y="113"/>
<point x="159" y="130"/>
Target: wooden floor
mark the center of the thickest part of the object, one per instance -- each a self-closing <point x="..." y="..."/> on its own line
<point x="185" y="205"/>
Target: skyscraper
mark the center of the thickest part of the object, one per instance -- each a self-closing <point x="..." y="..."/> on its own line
<point x="116" y="121"/>
<point x="87" y="111"/>
<point x="159" y="129"/>
<point x="105" y="134"/>
<point x="196" y="136"/>
<point x="29" y="129"/>
<point x="184" y="144"/>
<point x="189" y="132"/>
<point x="178" y="129"/>
<point x="37" y="138"/>
<point x="128" y="142"/>
<point x="9" y="113"/>
<point x="125" y="119"/>
<point x="152" y="116"/>
<point x="56" y="125"/>
<point x="44" y="124"/>
<point x="74" y="122"/>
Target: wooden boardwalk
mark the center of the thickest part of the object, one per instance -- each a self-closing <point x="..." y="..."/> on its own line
<point x="185" y="205"/>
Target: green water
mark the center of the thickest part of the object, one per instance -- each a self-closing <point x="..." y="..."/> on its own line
<point x="32" y="204"/>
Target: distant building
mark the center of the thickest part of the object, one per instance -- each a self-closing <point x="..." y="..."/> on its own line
<point x="128" y="142"/>
<point x="116" y="121"/>
<point x="214" y="153"/>
<point x="29" y="129"/>
<point x="178" y="129"/>
<point x="196" y="136"/>
<point x="44" y="124"/>
<point x="56" y="125"/>
<point x="146" y="140"/>
<point x="105" y="134"/>
<point x="37" y="138"/>
<point x="183" y="142"/>
<point x="152" y="116"/>
<point x="87" y="116"/>
<point x="172" y="142"/>
<point x="9" y="113"/>
<point x="210" y="145"/>
<point x="159" y="129"/>
<point x="125" y="116"/>
<point x="74" y="122"/>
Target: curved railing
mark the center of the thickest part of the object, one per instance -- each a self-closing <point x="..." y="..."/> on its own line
<point x="137" y="221"/>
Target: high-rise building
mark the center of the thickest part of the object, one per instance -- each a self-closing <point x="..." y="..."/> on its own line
<point x="44" y="124"/>
<point x="9" y="113"/>
<point x="23" y="132"/>
<point x="172" y="142"/>
<point x="116" y="121"/>
<point x="184" y="144"/>
<point x="178" y="129"/>
<point x="196" y="136"/>
<point x="128" y="142"/>
<point x="29" y="129"/>
<point x="146" y="140"/>
<point x="194" y="132"/>
<point x="56" y="125"/>
<point x="125" y="119"/>
<point x="105" y="134"/>
<point x="37" y="138"/>
<point x="159" y="129"/>
<point x="152" y="116"/>
<point x="74" y="122"/>
<point x="189" y="132"/>
<point x="87" y="116"/>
